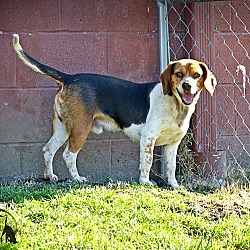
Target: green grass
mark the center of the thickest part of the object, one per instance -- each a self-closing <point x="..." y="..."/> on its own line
<point x="76" y="216"/>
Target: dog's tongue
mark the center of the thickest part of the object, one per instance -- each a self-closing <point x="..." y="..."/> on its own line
<point x="187" y="98"/>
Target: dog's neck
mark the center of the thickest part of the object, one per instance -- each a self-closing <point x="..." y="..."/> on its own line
<point x="184" y="111"/>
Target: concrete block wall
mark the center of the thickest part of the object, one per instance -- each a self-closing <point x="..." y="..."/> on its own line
<point x="232" y="41"/>
<point x="118" y="38"/>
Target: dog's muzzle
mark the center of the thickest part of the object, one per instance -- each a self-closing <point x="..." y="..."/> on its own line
<point x="186" y="97"/>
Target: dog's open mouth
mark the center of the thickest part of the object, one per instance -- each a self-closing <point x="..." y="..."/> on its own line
<point x="187" y="98"/>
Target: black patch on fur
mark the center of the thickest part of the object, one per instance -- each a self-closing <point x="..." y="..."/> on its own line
<point x="170" y="93"/>
<point x="126" y="102"/>
<point x="59" y="117"/>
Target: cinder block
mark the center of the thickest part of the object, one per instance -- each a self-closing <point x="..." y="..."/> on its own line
<point x="94" y="160"/>
<point x="30" y="16"/>
<point x="7" y="61"/>
<point x="31" y="159"/>
<point x="176" y="44"/>
<point x="242" y="110"/>
<point x="26" y="114"/>
<point x="175" y="18"/>
<point x="9" y="162"/>
<point x="222" y="8"/>
<point x="241" y="21"/>
<point x="70" y="53"/>
<point x="225" y="117"/>
<point x="237" y="149"/>
<point x="152" y="10"/>
<point x="105" y="16"/>
<point x="225" y="63"/>
<point x="125" y="160"/>
<point x="132" y="61"/>
<point x="107" y="136"/>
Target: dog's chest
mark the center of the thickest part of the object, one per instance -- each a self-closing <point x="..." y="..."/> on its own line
<point x="170" y="136"/>
<point x="166" y="131"/>
<point x="174" y="130"/>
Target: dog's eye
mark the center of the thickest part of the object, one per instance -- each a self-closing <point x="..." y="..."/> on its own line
<point x="196" y="76"/>
<point x="179" y="74"/>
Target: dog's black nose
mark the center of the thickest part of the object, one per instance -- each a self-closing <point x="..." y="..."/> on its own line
<point x="186" y="86"/>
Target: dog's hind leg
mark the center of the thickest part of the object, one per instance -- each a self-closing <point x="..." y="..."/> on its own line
<point x="81" y="121"/>
<point x="58" y="138"/>
<point x="76" y="141"/>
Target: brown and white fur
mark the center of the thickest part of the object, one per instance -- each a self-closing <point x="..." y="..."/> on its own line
<point x="152" y="114"/>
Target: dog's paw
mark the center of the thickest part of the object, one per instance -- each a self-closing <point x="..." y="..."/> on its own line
<point x="177" y="186"/>
<point x="80" y="179"/>
<point x="147" y="182"/>
<point x="52" y="178"/>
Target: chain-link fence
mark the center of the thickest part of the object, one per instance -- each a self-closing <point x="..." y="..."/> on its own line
<point x="217" y="148"/>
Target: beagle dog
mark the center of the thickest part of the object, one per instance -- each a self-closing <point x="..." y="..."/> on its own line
<point x="152" y="114"/>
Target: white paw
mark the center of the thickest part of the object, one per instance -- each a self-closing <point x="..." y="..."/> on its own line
<point x="80" y="179"/>
<point x="52" y="178"/>
<point x="176" y="186"/>
<point x="147" y="182"/>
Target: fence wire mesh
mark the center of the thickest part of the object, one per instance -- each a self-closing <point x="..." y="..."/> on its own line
<point x="216" y="149"/>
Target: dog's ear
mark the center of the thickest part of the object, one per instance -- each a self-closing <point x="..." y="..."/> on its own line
<point x="165" y="78"/>
<point x="210" y="81"/>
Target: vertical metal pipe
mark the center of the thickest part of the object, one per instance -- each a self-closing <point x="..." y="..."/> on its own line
<point x="163" y="34"/>
<point x="163" y="50"/>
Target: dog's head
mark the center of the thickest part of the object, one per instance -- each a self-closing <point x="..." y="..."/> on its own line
<point x="186" y="78"/>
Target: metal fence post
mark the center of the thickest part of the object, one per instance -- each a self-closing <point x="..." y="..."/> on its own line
<point x="164" y="49"/>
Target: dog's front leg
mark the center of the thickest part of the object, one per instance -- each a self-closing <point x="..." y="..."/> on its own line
<point x="170" y="152"/>
<point x="146" y="158"/>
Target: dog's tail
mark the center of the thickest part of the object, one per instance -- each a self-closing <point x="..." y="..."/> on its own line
<point x="35" y="65"/>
